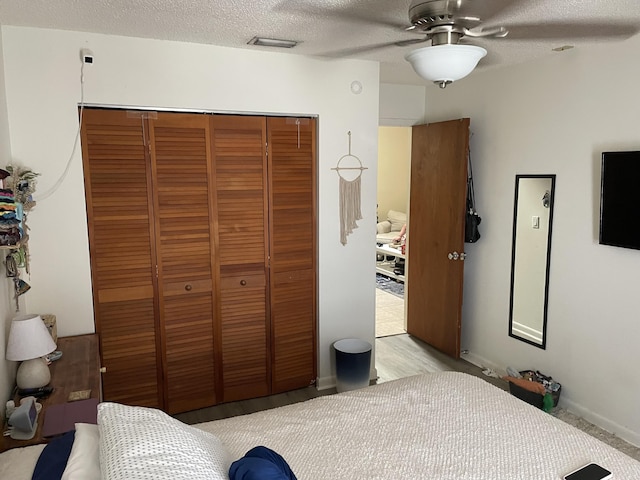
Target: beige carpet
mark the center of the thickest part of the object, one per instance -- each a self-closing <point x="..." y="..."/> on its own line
<point x="600" y="434"/>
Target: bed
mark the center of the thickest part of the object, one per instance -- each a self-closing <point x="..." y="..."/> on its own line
<point x="440" y="426"/>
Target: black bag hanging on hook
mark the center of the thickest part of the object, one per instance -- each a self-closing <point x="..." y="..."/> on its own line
<point x="472" y="219"/>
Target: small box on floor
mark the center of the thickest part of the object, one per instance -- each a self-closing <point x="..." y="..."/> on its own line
<point x="551" y="387"/>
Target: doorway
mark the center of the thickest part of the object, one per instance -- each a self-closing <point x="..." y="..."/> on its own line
<point x="394" y="172"/>
<point x="435" y="245"/>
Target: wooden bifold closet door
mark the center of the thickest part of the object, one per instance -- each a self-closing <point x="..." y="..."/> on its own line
<point x="203" y="255"/>
<point x="185" y="248"/>
<point x="239" y="147"/>
<point x="119" y="199"/>
<point x="292" y="187"/>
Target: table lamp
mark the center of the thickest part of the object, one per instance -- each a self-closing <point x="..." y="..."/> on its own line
<point x="29" y="341"/>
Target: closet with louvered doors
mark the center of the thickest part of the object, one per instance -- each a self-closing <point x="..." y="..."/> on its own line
<point x="203" y="258"/>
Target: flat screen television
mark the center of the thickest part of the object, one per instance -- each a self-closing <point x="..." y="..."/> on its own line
<point x="620" y="199"/>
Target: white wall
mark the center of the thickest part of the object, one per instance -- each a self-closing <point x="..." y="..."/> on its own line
<point x="7" y="304"/>
<point x="556" y="116"/>
<point x="401" y="105"/>
<point x="394" y="170"/>
<point x="42" y="70"/>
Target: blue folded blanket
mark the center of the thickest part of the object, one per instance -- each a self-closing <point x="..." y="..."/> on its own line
<point x="53" y="459"/>
<point x="261" y="463"/>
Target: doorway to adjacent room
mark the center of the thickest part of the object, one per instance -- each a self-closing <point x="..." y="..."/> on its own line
<point x="394" y="173"/>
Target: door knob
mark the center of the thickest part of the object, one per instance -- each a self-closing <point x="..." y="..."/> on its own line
<point x="463" y="256"/>
<point x="188" y="287"/>
<point x="454" y="256"/>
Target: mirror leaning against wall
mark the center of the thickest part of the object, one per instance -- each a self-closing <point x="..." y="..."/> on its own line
<point x="530" y="258"/>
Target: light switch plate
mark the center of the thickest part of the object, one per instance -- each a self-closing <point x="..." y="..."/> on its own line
<point x="535" y="221"/>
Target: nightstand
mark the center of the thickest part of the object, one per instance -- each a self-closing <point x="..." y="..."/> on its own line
<point x="77" y="369"/>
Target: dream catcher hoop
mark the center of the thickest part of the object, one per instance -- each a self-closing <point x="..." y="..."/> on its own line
<point x="349" y="169"/>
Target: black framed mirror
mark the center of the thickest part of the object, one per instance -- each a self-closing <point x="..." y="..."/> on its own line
<point x="530" y="258"/>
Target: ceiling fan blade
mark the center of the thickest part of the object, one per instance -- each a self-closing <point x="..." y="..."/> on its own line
<point x="572" y="30"/>
<point x="499" y="32"/>
<point x="485" y="10"/>
<point x="347" y="52"/>
<point x="373" y="12"/>
<point x="412" y="41"/>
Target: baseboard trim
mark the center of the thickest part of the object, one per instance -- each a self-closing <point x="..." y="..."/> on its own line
<point x="602" y="422"/>
<point x="569" y="405"/>
<point x="325" y="383"/>
<point x="483" y="363"/>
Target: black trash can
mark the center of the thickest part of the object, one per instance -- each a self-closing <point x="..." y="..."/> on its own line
<point x="353" y="362"/>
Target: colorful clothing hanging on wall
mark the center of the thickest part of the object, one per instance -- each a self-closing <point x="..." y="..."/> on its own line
<point x="10" y="233"/>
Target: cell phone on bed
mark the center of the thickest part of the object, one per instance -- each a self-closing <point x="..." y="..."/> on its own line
<point x="591" y="471"/>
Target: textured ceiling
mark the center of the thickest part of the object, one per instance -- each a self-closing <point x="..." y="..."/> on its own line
<point x="330" y="27"/>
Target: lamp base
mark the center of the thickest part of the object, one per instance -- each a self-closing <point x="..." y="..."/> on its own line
<point x="33" y="374"/>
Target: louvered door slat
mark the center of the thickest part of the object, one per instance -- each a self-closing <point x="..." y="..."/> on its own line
<point x="292" y="187"/>
<point x="122" y="260"/>
<point x="180" y="146"/>
<point x="241" y="206"/>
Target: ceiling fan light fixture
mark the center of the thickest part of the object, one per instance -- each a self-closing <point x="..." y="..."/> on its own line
<point x="272" y="42"/>
<point x="443" y="64"/>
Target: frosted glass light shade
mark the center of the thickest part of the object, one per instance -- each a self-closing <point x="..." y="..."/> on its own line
<point x="445" y="63"/>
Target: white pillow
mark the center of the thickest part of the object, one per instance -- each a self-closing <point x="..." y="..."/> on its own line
<point x="84" y="460"/>
<point x="138" y="443"/>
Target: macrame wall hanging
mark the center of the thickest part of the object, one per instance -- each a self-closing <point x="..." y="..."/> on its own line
<point x="350" y="191"/>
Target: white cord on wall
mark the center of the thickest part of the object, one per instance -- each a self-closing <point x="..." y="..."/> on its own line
<point x="58" y="182"/>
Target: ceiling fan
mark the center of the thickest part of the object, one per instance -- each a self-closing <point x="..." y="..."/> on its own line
<point x="449" y="23"/>
<point x="446" y="23"/>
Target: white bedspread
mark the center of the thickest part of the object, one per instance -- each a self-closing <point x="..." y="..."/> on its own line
<point x="434" y="426"/>
<point x="18" y="463"/>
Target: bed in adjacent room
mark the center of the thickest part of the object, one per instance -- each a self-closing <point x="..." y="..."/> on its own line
<point x="442" y="425"/>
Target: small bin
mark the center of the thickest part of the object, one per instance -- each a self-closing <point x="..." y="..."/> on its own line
<point x="533" y="398"/>
<point x="523" y="394"/>
<point x="353" y="362"/>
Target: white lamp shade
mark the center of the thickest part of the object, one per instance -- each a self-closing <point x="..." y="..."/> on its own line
<point x="445" y="63"/>
<point x="29" y="339"/>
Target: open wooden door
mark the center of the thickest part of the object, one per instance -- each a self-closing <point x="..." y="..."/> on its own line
<point x="436" y="233"/>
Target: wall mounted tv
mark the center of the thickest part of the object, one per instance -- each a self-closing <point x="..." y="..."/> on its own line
<point x="620" y="199"/>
